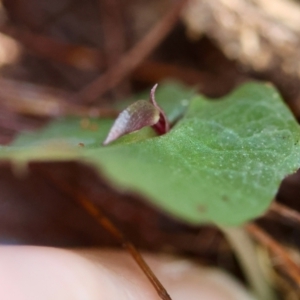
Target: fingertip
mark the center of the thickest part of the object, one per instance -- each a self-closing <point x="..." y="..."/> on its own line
<point x="29" y="272"/>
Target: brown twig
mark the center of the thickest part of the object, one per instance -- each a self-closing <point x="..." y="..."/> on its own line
<point x="107" y="224"/>
<point x="133" y="57"/>
<point x="113" y="30"/>
<point x="288" y="265"/>
<point x="80" y="57"/>
<point x="114" y="36"/>
<point x="285" y="212"/>
<point x="30" y="99"/>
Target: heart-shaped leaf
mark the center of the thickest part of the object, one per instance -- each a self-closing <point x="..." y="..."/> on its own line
<point x="221" y="163"/>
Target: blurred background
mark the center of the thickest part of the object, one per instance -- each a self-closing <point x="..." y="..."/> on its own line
<point x="73" y="57"/>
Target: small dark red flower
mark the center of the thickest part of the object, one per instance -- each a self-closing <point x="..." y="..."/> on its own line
<point x="138" y="115"/>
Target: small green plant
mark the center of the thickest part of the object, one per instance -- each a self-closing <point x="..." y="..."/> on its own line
<point x="221" y="162"/>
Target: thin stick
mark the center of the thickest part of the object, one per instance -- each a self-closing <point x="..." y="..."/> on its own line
<point x="78" y="56"/>
<point x="285" y="212"/>
<point x="114" y="231"/>
<point x="288" y="265"/>
<point x="30" y="99"/>
<point x="107" y="224"/>
<point x="113" y="30"/>
<point x="133" y="57"/>
<point x="114" y="38"/>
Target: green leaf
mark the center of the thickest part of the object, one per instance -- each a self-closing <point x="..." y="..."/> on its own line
<point x="221" y="163"/>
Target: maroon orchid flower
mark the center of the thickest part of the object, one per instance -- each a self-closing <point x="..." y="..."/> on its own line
<point x="138" y="115"/>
